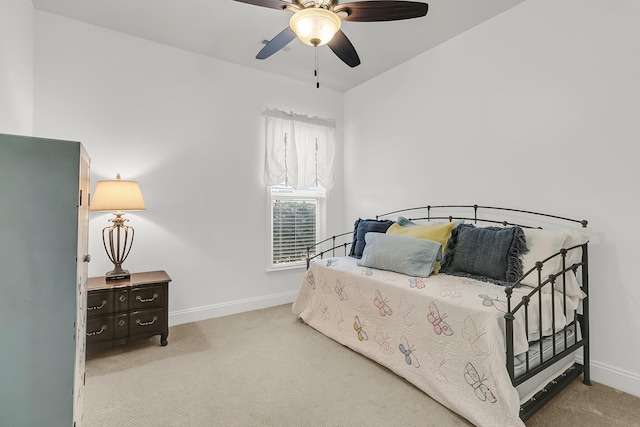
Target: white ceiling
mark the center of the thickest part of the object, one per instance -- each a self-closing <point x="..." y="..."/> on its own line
<point x="233" y="31"/>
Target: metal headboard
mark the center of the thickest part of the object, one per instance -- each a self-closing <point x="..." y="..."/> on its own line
<point x="476" y="213"/>
<point x="475" y="218"/>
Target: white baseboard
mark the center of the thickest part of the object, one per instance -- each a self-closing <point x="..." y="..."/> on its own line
<point x="232" y="307"/>
<point x="622" y="380"/>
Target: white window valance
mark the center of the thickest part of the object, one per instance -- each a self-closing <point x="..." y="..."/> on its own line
<point x="299" y="150"/>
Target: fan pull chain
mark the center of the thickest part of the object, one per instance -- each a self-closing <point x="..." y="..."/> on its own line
<point x="316" y="72"/>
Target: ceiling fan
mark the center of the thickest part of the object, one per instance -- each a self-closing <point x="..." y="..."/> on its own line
<point x="318" y="22"/>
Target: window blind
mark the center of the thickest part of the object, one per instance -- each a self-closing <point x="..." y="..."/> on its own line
<point x="294" y="228"/>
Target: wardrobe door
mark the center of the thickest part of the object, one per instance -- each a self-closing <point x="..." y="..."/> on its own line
<point x="41" y="281"/>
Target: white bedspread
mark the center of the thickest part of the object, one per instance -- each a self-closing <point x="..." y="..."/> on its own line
<point x="444" y="334"/>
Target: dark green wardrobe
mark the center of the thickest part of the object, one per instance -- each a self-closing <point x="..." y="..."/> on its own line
<point x="44" y="217"/>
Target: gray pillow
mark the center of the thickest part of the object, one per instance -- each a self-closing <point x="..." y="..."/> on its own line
<point x="402" y="254"/>
<point x="490" y="254"/>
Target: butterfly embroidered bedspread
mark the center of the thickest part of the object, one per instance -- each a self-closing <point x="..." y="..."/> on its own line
<point x="444" y="334"/>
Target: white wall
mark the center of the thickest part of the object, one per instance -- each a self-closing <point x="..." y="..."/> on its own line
<point x="16" y="66"/>
<point x="190" y="129"/>
<point x="536" y="109"/>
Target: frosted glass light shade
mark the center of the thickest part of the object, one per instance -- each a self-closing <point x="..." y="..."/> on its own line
<point x="117" y="195"/>
<point x="315" y="26"/>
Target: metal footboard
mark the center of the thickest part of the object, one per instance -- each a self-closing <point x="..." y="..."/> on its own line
<point x="580" y="327"/>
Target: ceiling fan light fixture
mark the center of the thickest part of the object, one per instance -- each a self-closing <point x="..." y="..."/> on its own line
<point x="315" y="26"/>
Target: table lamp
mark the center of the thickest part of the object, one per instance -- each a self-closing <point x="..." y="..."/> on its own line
<point x="117" y="196"/>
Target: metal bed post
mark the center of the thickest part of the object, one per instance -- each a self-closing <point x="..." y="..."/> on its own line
<point x="508" y="316"/>
<point x="584" y="324"/>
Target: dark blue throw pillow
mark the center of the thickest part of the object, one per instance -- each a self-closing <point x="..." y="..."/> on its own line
<point x="490" y="253"/>
<point x="362" y="227"/>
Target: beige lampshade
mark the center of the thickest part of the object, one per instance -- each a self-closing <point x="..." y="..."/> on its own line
<point x="117" y="195"/>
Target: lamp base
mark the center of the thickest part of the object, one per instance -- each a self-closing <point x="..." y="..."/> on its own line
<point x="119" y="246"/>
<point x="117" y="275"/>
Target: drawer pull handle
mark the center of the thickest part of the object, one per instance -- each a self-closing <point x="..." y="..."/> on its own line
<point x="139" y="298"/>
<point x="102" y="329"/>
<point x="141" y="323"/>
<point x="98" y="307"/>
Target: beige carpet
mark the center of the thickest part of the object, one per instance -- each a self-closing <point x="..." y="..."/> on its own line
<point x="265" y="368"/>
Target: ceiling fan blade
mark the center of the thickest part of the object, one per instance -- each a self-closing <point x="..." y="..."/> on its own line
<point x="342" y="47"/>
<point x="277" y="43"/>
<point x="272" y="4"/>
<point x="370" y="11"/>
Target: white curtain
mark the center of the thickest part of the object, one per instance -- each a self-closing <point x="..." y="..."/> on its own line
<point x="299" y="150"/>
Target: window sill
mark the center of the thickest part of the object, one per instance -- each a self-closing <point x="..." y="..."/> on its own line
<point x="287" y="266"/>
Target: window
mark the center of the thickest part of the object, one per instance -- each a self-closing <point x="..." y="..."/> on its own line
<point x="299" y="166"/>
<point x="297" y="221"/>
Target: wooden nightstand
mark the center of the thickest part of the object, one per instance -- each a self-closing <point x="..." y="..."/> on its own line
<point x="121" y="311"/>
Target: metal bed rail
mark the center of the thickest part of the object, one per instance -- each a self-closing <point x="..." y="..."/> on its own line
<point x="319" y="249"/>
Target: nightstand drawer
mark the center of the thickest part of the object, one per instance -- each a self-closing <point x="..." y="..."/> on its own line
<point x="145" y="322"/>
<point x="100" y="303"/>
<point x="100" y="329"/>
<point x="146" y="297"/>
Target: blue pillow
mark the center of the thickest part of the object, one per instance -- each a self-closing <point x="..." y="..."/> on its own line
<point x="362" y="227"/>
<point x="402" y="254"/>
<point x="490" y="253"/>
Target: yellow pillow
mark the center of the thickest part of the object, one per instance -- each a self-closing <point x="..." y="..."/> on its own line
<point x="438" y="233"/>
